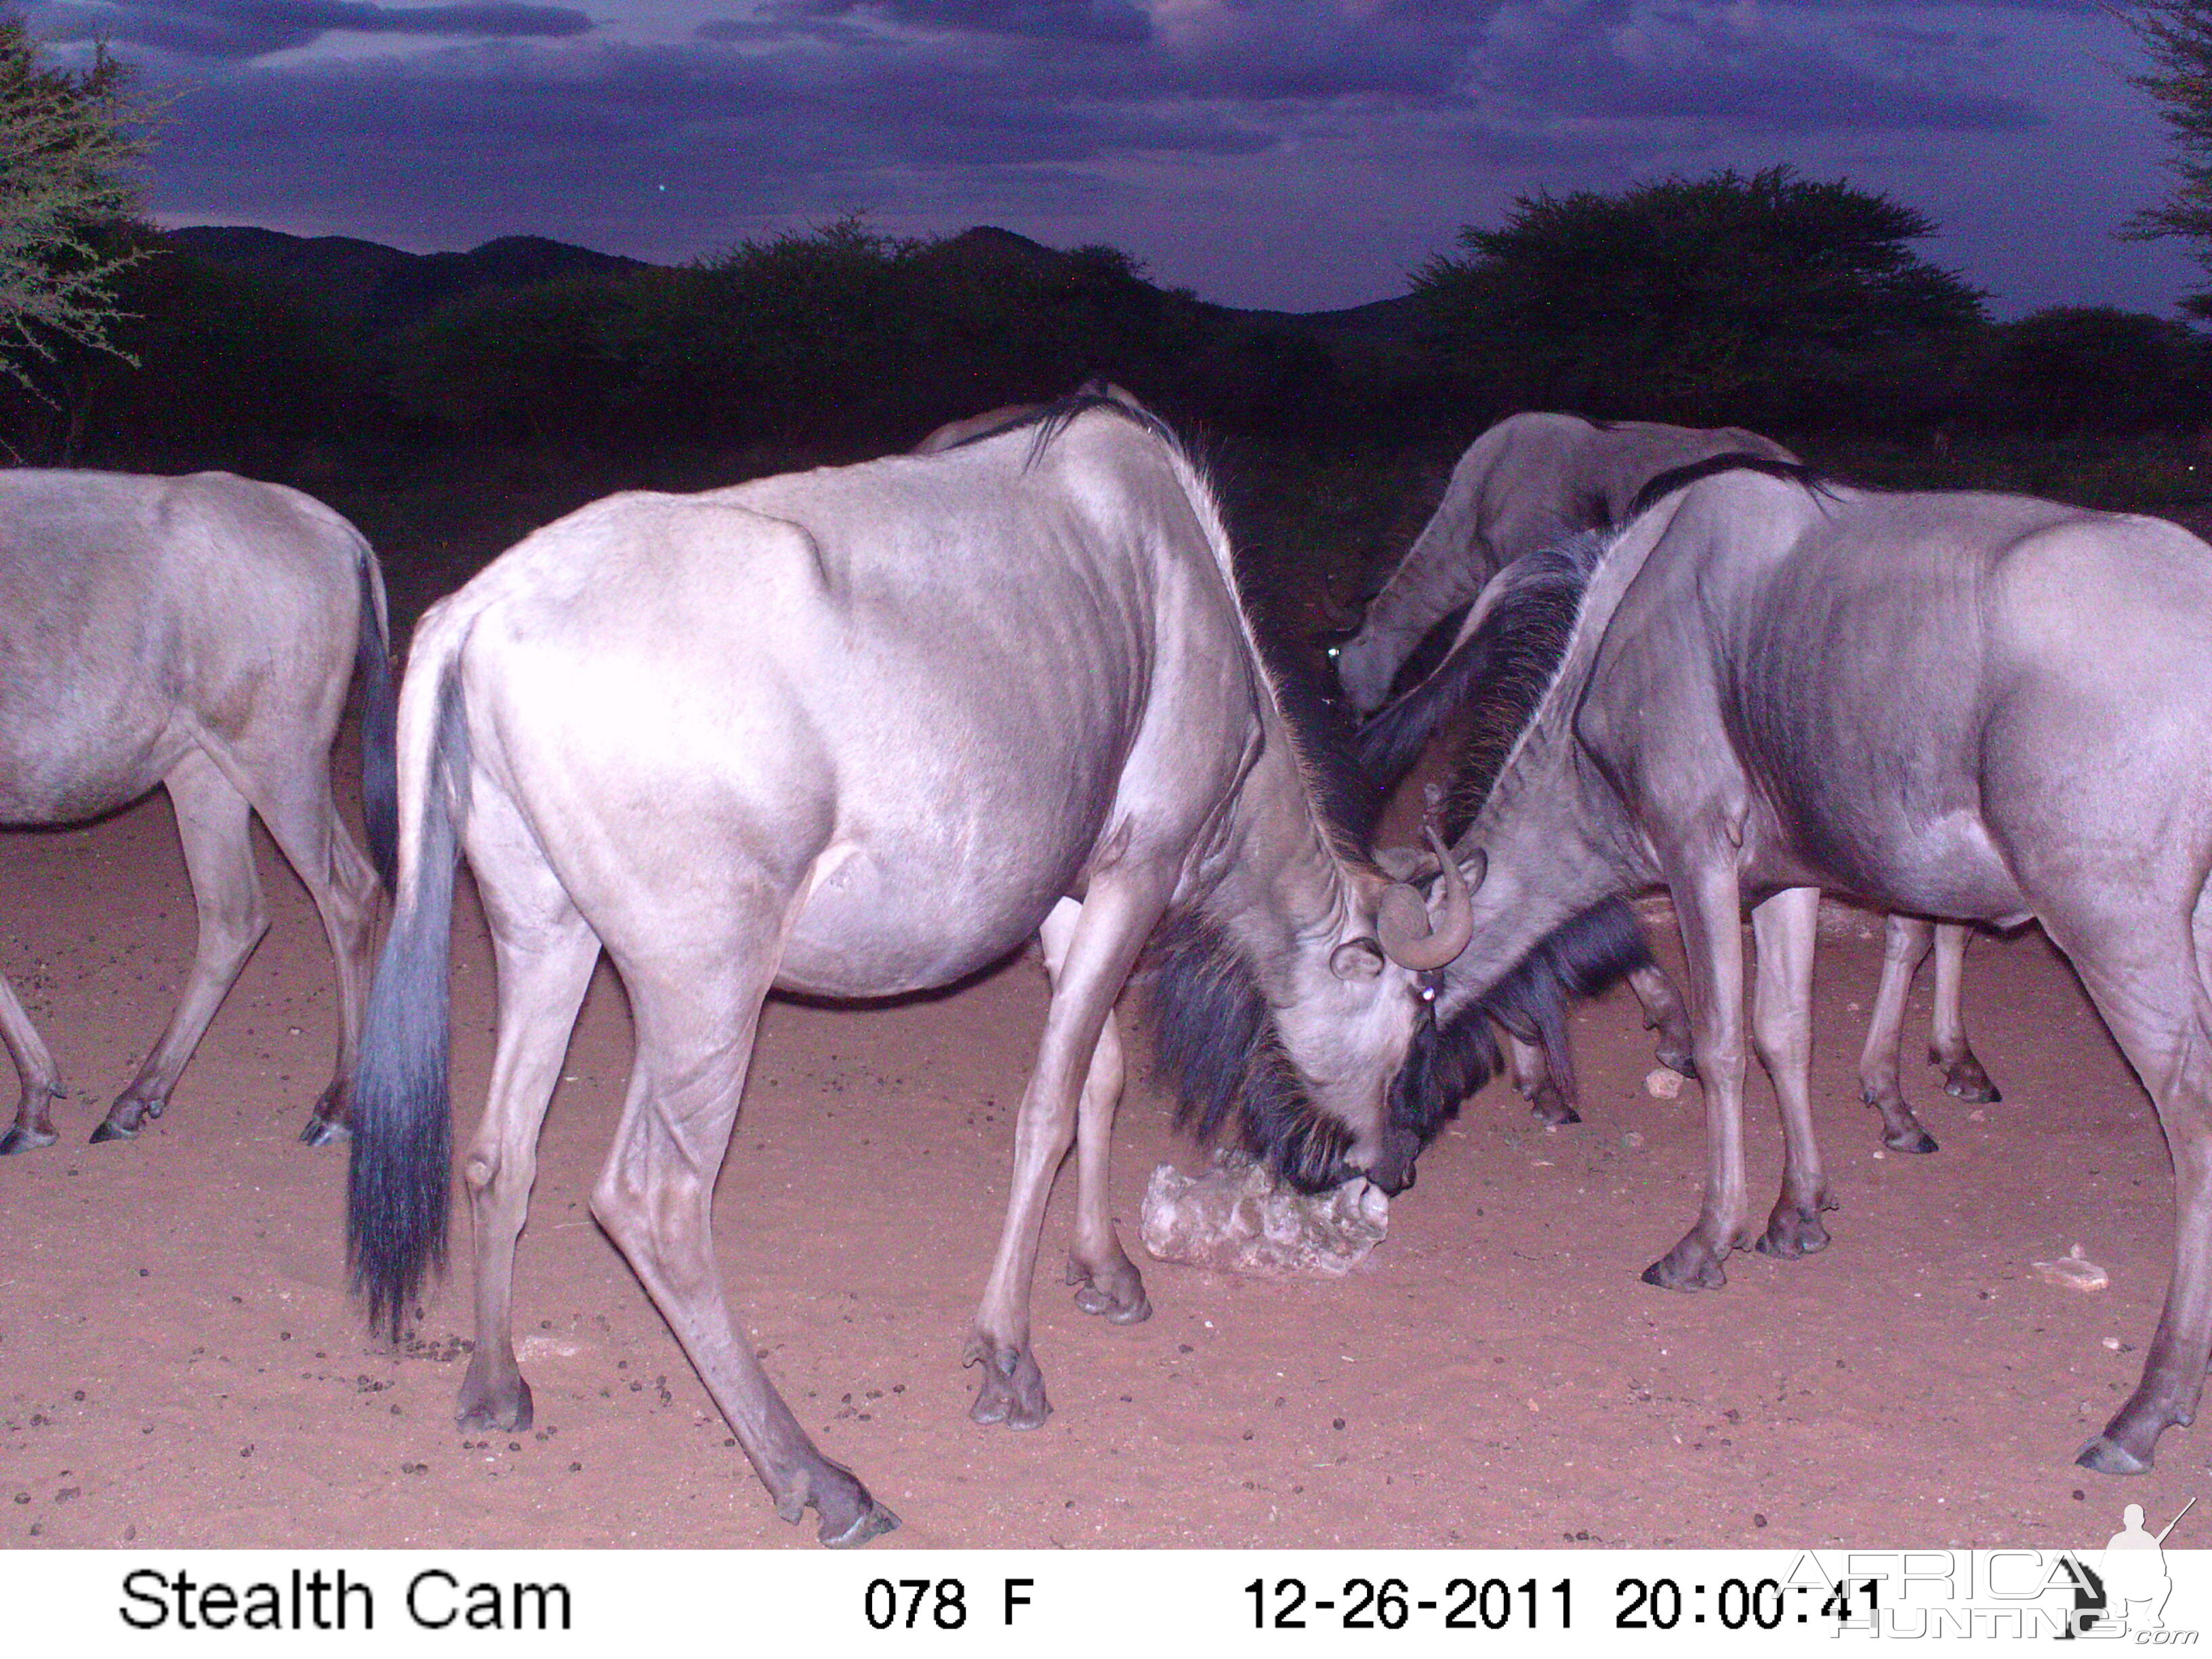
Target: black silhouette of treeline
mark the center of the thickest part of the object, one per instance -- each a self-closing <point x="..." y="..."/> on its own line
<point x="255" y="347"/>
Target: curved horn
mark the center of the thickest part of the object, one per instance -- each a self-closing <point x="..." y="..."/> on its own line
<point x="1402" y="920"/>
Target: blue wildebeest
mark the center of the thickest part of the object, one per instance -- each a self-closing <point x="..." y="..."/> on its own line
<point x="1525" y="485"/>
<point x="855" y="732"/>
<point x="1970" y="706"/>
<point x="199" y="633"/>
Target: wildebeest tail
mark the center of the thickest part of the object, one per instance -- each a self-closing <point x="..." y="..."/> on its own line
<point x="402" y="1109"/>
<point x="379" y="777"/>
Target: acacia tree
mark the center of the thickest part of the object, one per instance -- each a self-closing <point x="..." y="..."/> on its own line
<point x="68" y="143"/>
<point x="1759" y="298"/>
<point x="2177" y="37"/>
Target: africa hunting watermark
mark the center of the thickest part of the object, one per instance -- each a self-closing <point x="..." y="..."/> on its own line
<point x="2118" y="1594"/>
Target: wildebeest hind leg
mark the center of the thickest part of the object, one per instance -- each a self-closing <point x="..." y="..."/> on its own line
<point x="544" y="953"/>
<point x="1963" y="1076"/>
<point x="213" y="822"/>
<point x="305" y="825"/>
<point x="34" y="1066"/>
<point x="1904" y="941"/>
<point x="1784" y="929"/>
<point x="1103" y="943"/>
<point x="696" y="1012"/>
<point x="1107" y="1282"/>
<point x="2152" y="994"/>
<point x="1712" y="936"/>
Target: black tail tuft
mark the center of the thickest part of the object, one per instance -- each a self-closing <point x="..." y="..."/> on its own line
<point x="396" y="1189"/>
<point x="380" y="775"/>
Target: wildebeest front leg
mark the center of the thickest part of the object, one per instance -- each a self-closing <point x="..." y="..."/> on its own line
<point x="34" y="1066"/>
<point x="1784" y="929"/>
<point x="1531" y="1072"/>
<point x="696" y="1014"/>
<point x="1664" y="1013"/>
<point x="1101" y="946"/>
<point x="1713" y="937"/>
<point x="1904" y="942"/>
<point x="1107" y="1282"/>
<point x="544" y="953"/>
<point x="1963" y="1076"/>
<point x="214" y="823"/>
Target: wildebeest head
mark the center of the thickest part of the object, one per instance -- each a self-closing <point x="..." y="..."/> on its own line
<point x="1297" y="1049"/>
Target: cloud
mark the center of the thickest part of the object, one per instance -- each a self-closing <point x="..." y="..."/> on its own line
<point x="1119" y="21"/>
<point x="239" y="29"/>
<point x="1721" y="67"/>
<point x="949" y="111"/>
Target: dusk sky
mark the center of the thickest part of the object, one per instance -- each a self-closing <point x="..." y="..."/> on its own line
<point x="1297" y="154"/>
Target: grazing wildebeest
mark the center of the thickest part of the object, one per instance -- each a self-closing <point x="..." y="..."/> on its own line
<point x="1970" y="706"/>
<point x="855" y="732"/>
<point x="199" y="633"/>
<point x="1525" y="485"/>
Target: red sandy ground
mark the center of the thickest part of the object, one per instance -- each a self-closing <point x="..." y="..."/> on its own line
<point x="179" y="1366"/>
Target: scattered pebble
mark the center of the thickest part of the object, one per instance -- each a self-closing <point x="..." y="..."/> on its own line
<point x="1662" y="1083"/>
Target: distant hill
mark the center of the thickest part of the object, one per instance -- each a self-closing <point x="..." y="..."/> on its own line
<point x="384" y="287"/>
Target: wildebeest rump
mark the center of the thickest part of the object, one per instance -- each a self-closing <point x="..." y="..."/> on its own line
<point x="1526" y="483"/>
<point x="1522" y="487"/>
<point x="199" y="633"/>
<point x="1970" y="706"/>
<point x="855" y="732"/>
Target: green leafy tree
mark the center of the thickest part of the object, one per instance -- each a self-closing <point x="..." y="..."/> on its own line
<point x="1766" y="298"/>
<point x="69" y="141"/>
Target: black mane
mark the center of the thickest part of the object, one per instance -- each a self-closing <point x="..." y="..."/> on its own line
<point x="1497" y="676"/>
<point x="1658" y="488"/>
<point x="1450" y="1060"/>
<point x="1213" y="1035"/>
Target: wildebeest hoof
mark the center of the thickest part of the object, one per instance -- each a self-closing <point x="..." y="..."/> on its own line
<point x="1115" y="1291"/>
<point x="871" y="1523"/>
<point x="1916" y="1140"/>
<point x="1552" y="1107"/>
<point x="1791" y="1234"/>
<point x="1692" y="1265"/>
<point x="321" y="1132"/>
<point x="21" y="1140"/>
<point x="488" y="1401"/>
<point x="1965" y="1080"/>
<point x="850" y="1514"/>
<point x="125" y="1118"/>
<point x="1012" y="1391"/>
<point x="1678" y="1059"/>
<point x="2106" y="1456"/>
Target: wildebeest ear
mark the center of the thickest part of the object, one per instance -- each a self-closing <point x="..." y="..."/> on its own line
<point x="1358" y="958"/>
<point x="1415" y="864"/>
